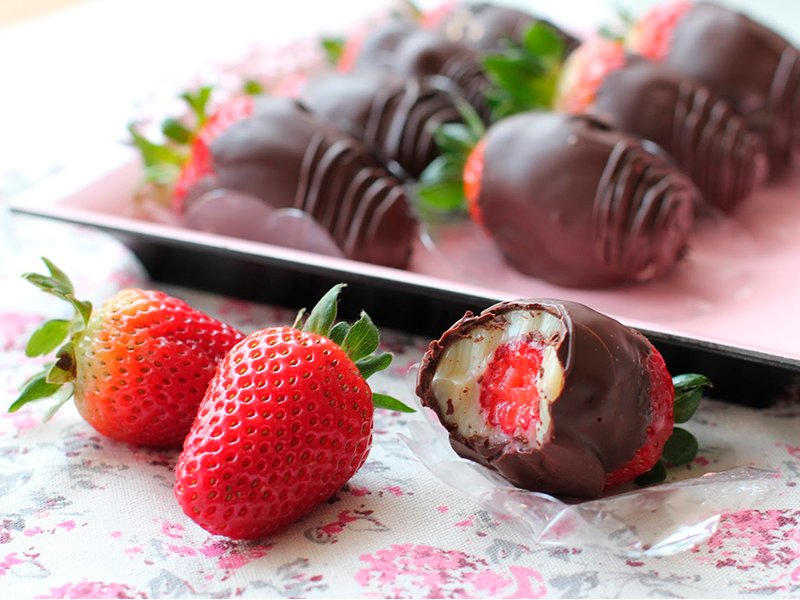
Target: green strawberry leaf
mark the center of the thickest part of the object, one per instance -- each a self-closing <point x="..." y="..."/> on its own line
<point x="470" y="117"/>
<point x="455" y="138"/>
<point x="655" y="475"/>
<point x="689" y="389"/>
<point x="372" y="364"/>
<point x="338" y="333"/>
<point x="176" y="131"/>
<point x="65" y="367"/>
<point x="443" y="168"/>
<point x="198" y="101"/>
<point x="389" y="403"/>
<point x="446" y="196"/>
<point x="681" y="447"/>
<point x="152" y="153"/>
<point x="334" y="48"/>
<point x="65" y="394"/>
<point x="37" y="389"/>
<point x="47" y="337"/>
<point x="48" y="284"/>
<point x="362" y="339"/>
<point x="59" y="275"/>
<point x="161" y="174"/>
<point x="84" y="307"/>
<point x="298" y="320"/>
<point x="252" y="87"/>
<point x="324" y="313"/>
<point x="543" y="41"/>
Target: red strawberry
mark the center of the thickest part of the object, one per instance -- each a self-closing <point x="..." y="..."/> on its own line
<point x="558" y="398"/>
<point x="198" y="165"/>
<point x="286" y="421"/>
<point x="471" y="177"/>
<point x="651" y="36"/>
<point x="138" y="366"/>
<point x="584" y="72"/>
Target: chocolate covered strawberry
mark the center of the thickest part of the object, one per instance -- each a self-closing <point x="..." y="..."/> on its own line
<point x="286" y="421"/>
<point x="558" y="398"/>
<point x="137" y="366"/>
<point x="565" y="197"/>
<point x="750" y="65"/>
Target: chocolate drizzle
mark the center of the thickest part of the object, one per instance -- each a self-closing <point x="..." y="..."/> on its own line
<point x="413" y="52"/>
<point x="285" y="157"/>
<point x="712" y="144"/>
<point x="394" y="117"/>
<point x="597" y="422"/>
<point x="757" y="70"/>
<point x="571" y="201"/>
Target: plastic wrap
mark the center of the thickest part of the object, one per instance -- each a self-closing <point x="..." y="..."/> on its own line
<point x="660" y="520"/>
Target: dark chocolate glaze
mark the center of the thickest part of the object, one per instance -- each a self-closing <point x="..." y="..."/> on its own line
<point x="392" y="116"/>
<point x="289" y="159"/>
<point x="757" y="70"/>
<point x="487" y="27"/>
<point x="572" y="201"/>
<point x="597" y="422"/>
<point x="409" y="51"/>
<point x="711" y="143"/>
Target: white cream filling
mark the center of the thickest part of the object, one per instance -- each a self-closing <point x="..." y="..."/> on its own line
<point x="462" y="365"/>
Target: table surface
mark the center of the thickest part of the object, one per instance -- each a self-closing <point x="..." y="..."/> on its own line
<point x="84" y="516"/>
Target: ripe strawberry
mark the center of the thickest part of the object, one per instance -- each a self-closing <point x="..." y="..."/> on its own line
<point x="286" y="421"/>
<point x="137" y="367"/>
<point x="471" y="176"/>
<point x="584" y="72"/>
<point x="651" y="36"/>
<point x="558" y="398"/>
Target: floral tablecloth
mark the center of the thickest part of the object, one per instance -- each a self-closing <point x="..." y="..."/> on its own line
<point x="84" y="516"/>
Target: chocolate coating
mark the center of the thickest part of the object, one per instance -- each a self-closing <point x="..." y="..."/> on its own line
<point x="487" y="27"/>
<point x="569" y="200"/>
<point x="408" y="51"/>
<point x="288" y="159"/>
<point x="757" y="70"/>
<point x="597" y="422"/>
<point x="394" y="117"/>
<point x="710" y="142"/>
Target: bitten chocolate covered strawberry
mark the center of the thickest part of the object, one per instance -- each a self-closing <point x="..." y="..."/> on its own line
<point x="558" y="398"/>
<point x="753" y="67"/>
<point x="568" y="199"/>
<point x="286" y="421"/>
<point x="137" y="367"/>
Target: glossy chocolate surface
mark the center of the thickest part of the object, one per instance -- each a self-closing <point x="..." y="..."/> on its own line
<point x="392" y="116"/>
<point x="750" y="65"/>
<point x="710" y="142"/>
<point x="597" y="422"/>
<point x="487" y="27"/>
<point x="571" y="201"/>
<point x="409" y="51"/>
<point x="288" y="159"/>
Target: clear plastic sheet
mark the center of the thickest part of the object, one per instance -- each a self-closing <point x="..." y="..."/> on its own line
<point x="660" y="520"/>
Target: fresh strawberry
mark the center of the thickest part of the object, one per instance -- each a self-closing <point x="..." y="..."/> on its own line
<point x="584" y="72"/>
<point x="558" y="398"/>
<point x="471" y="176"/>
<point x="286" y="421"/>
<point x="137" y="367"/>
<point x="651" y="36"/>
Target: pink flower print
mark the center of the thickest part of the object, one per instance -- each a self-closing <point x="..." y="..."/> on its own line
<point x="93" y="589"/>
<point x="15" y="327"/>
<point x="9" y="561"/>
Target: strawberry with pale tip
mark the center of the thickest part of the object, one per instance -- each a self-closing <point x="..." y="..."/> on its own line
<point x="137" y="366"/>
<point x="286" y="422"/>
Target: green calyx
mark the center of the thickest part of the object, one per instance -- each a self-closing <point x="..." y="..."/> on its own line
<point x="54" y="335"/>
<point x="441" y="188"/>
<point x="525" y="76"/>
<point x="681" y="447"/>
<point x="359" y="341"/>
<point x="333" y="47"/>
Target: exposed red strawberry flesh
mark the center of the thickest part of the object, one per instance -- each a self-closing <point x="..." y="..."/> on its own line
<point x="471" y="177"/>
<point x="652" y="35"/>
<point x="199" y="163"/>
<point x="662" y="396"/>
<point x="509" y="394"/>
<point x="584" y="72"/>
